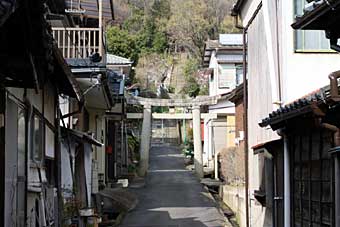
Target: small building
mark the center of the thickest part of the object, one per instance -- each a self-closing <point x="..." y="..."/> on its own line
<point x="303" y="167"/>
<point x="223" y="59"/>
<point x="97" y="123"/>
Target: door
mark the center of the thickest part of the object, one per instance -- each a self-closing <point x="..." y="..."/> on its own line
<point x="15" y="164"/>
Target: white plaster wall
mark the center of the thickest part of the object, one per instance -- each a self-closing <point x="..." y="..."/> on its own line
<point x="301" y="73"/>
<point x="234" y="197"/>
<point x="214" y="85"/>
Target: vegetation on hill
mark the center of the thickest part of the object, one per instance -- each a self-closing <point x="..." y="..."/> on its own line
<point x="154" y="33"/>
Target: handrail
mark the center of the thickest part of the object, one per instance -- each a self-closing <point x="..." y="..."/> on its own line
<point x="74" y="29"/>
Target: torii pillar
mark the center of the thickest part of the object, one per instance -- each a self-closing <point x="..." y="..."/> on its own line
<point x="198" y="154"/>
<point x="145" y="140"/>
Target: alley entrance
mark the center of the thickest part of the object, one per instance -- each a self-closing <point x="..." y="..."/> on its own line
<point x="166" y="131"/>
<point x="173" y="196"/>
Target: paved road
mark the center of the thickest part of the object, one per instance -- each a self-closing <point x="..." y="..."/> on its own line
<point x="173" y="196"/>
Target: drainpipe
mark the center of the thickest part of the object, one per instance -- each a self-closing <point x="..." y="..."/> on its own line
<point x="245" y="114"/>
<point x="286" y="176"/>
<point x="245" y="123"/>
<point x="235" y="14"/>
<point x="286" y="179"/>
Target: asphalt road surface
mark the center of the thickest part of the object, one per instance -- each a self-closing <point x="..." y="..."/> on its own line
<point x="172" y="196"/>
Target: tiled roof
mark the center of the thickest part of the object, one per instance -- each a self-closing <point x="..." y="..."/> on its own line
<point x="319" y="16"/>
<point x="299" y="107"/>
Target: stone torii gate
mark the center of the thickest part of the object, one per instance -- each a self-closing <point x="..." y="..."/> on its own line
<point x="195" y="104"/>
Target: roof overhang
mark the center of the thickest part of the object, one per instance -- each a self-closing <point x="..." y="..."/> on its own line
<point x="81" y="136"/>
<point x="237" y="94"/>
<point x="314" y="105"/>
<point x="67" y="84"/>
<point x="269" y="146"/>
<point x="324" y="17"/>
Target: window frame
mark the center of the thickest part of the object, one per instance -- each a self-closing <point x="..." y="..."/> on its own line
<point x="220" y="73"/>
<point x="298" y="49"/>
<point x="305" y="154"/>
<point x="35" y="114"/>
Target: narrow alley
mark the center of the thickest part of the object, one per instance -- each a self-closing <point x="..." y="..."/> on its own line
<point x="172" y="195"/>
<point x="177" y="113"/>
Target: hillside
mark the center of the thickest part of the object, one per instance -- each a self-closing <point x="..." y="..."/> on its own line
<point x="166" y="39"/>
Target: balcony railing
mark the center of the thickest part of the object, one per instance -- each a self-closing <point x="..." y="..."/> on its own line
<point x="78" y="42"/>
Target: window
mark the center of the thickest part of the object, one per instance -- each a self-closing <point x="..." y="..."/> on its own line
<point x="37" y="135"/>
<point x="239" y="74"/>
<point x="227" y="76"/>
<point x="21" y="174"/>
<point x="49" y="142"/>
<point x="312" y="180"/>
<point x="313" y="41"/>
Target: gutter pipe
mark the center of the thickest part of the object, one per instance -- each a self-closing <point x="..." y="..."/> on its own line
<point x="245" y="113"/>
<point x="235" y="14"/>
<point x="286" y="180"/>
<point x="245" y="123"/>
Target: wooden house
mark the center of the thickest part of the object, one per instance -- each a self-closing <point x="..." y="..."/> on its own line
<point x="33" y="76"/>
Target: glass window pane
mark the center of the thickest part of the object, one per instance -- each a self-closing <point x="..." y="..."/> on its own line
<point x="316" y="170"/>
<point x="326" y="192"/>
<point x="37" y="138"/>
<point x="326" y="170"/>
<point x="326" y="213"/>
<point x="315" y="212"/>
<point x="307" y="39"/>
<point x="305" y="190"/>
<point x="49" y="142"/>
<point x="316" y="189"/>
<point x="311" y="40"/>
<point x="21" y="143"/>
<point x="316" y="146"/>
<point x="305" y="210"/>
